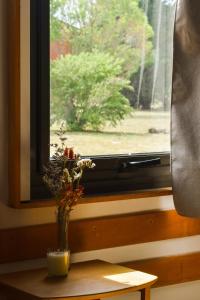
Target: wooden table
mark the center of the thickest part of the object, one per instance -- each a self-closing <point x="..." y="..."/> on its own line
<point x="86" y="281"/>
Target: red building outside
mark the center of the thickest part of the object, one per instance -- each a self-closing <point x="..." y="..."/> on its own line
<point x="58" y="48"/>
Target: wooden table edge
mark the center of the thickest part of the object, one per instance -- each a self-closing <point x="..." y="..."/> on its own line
<point x="86" y="297"/>
<point x="107" y="294"/>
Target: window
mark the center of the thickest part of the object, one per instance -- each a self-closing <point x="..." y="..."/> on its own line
<point x="103" y="68"/>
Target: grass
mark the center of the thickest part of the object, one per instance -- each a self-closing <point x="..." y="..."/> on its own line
<point x="130" y="136"/>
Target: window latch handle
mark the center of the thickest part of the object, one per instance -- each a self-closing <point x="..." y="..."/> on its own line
<point x="141" y="163"/>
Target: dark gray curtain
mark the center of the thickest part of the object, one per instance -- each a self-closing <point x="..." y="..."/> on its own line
<point x="185" y="123"/>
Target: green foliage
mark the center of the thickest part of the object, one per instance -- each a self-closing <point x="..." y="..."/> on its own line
<point x="57" y="27"/>
<point x="86" y="90"/>
<point x="117" y="27"/>
<point x="99" y="32"/>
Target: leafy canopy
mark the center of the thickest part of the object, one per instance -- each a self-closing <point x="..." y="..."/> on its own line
<point x="107" y="40"/>
<point x="118" y="27"/>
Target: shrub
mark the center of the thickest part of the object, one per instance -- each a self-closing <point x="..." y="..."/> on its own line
<point x="86" y="90"/>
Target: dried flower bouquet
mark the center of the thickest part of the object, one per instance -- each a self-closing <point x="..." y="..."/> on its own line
<point x="62" y="175"/>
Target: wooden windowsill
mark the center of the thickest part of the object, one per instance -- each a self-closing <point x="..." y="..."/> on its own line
<point x="101" y="198"/>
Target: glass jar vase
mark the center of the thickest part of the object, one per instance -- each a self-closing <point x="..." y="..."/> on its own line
<point x="58" y="261"/>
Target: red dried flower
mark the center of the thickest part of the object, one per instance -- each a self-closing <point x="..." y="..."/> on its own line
<point x="66" y="152"/>
<point x="71" y="153"/>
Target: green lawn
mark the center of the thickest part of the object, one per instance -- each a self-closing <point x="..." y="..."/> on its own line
<point x="130" y="136"/>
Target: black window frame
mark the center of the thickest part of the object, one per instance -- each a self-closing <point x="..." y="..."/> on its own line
<point x="113" y="173"/>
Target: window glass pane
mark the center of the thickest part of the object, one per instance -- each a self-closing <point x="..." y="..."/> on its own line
<point x="111" y="69"/>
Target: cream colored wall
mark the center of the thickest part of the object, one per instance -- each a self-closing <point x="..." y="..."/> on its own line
<point x="12" y="218"/>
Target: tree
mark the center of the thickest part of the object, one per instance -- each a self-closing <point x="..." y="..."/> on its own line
<point x="156" y="81"/>
<point x="56" y="25"/>
<point x="113" y="26"/>
<point x="86" y="90"/>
